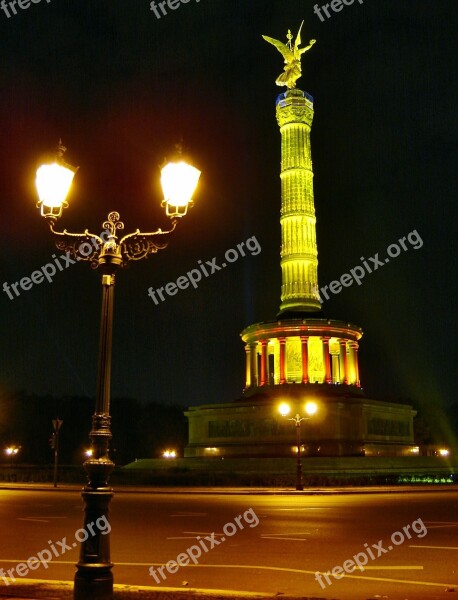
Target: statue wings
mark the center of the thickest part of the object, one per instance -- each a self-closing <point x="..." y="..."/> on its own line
<point x="292" y="55"/>
<point x="287" y="54"/>
<point x="288" y="51"/>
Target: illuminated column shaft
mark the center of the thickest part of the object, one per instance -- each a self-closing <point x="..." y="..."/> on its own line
<point x="253" y="364"/>
<point x="299" y="255"/>
<point x="248" y="367"/>
<point x="282" y="360"/>
<point x="263" y="379"/>
<point x="327" y="360"/>
<point x="354" y="352"/>
<point x="305" y="360"/>
<point x="344" y="363"/>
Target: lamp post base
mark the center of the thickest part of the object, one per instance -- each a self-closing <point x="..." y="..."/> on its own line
<point x="93" y="578"/>
<point x="97" y="585"/>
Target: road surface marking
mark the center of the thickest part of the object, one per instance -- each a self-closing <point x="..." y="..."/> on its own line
<point x="394" y="568"/>
<point x="301" y="508"/>
<point x="203" y="532"/>
<point x="262" y="568"/>
<point x="436" y="547"/>
<point x="302" y="571"/>
<point x="39" y="518"/>
<point x="189" y="514"/>
<point x="57" y="562"/>
<point x="194" y="535"/>
<point x="282" y="536"/>
<point x="442" y="526"/>
<point x="290" y="539"/>
<point x="454" y="522"/>
<point x="292" y="533"/>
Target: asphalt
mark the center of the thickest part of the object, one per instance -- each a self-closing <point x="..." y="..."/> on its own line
<point x="34" y="589"/>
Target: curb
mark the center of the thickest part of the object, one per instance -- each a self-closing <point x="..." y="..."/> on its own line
<point x="32" y="589"/>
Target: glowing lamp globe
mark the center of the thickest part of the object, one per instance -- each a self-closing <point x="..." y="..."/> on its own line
<point x="179" y="181"/>
<point x="53" y="183"/>
<point x="311" y="408"/>
<point x="284" y="409"/>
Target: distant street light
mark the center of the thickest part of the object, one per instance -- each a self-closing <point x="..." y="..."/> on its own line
<point x="94" y="578"/>
<point x="12" y="451"/>
<point x="310" y="408"/>
<point x="169" y="454"/>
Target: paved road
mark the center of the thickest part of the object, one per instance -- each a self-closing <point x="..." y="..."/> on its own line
<point x="296" y="536"/>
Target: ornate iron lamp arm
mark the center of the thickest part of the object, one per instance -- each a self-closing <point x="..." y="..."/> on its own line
<point x="139" y="245"/>
<point x="81" y="246"/>
<point x="93" y="248"/>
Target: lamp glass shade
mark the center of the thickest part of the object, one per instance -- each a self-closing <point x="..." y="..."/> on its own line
<point x="53" y="183"/>
<point x="311" y="408"/>
<point x="284" y="409"/>
<point x="179" y="181"/>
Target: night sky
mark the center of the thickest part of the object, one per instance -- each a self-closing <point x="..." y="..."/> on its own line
<point x="121" y="86"/>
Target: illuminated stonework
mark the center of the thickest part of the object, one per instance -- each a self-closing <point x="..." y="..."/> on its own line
<point x="299" y="256"/>
<point x="299" y="348"/>
<point x="301" y="355"/>
<point x="301" y="351"/>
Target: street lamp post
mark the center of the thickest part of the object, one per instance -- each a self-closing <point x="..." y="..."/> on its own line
<point x="310" y="408"/>
<point x="12" y="451"/>
<point x="93" y="578"/>
<point x="57" y="424"/>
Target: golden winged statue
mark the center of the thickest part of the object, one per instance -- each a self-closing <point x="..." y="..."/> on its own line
<point x="292" y="55"/>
